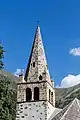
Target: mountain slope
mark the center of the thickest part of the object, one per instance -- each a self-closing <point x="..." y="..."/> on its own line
<point x="65" y="95"/>
<point x="10" y="76"/>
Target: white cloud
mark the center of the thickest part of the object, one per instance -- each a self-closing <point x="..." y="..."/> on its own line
<point x="69" y="81"/>
<point x="18" y="71"/>
<point x="75" y="51"/>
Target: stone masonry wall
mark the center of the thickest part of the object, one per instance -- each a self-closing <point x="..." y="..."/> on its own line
<point x="52" y="99"/>
<point x="32" y="111"/>
<point x="41" y="110"/>
<point x="50" y="110"/>
<point x="44" y="88"/>
<point x="21" y="91"/>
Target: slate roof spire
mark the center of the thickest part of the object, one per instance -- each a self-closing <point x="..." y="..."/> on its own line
<point x="37" y="68"/>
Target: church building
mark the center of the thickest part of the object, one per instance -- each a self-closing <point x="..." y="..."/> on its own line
<point x="35" y="90"/>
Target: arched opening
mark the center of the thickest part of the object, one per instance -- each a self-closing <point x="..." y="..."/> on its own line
<point x="49" y="95"/>
<point x="28" y="94"/>
<point x="36" y="93"/>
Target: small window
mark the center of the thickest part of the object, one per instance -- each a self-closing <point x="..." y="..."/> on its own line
<point x="33" y="64"/>
<point x="40" y="77"/>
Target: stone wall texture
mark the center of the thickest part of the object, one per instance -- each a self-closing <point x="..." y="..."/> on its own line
<point x="41" y="110"/>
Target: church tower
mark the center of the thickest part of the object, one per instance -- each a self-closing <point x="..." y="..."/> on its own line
<point x="35" y="91"/>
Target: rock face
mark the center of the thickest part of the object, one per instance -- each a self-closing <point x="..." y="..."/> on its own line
<point x="36" y="94"/>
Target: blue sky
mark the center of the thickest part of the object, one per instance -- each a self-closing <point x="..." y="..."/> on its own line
<point x="60" y="28"/>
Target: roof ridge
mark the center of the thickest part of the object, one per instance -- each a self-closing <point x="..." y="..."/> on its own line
<point x="62" y="111"/>
<point x="70" y="107"/>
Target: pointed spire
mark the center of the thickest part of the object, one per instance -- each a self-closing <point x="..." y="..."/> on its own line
<point x="37" y="62"/>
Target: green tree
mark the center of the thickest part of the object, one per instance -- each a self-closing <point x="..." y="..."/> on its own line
<point x="7" y="99"/>
<point x="1" y="56"/>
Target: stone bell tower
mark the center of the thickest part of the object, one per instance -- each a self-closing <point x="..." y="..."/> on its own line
<point x="35" y="92"/>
